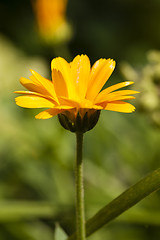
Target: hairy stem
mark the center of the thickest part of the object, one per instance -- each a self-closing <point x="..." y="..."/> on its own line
<point x="80" y="215"/>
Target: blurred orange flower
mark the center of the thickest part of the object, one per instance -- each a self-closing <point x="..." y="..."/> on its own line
<point x="51" y="18"/>
<point x="75" y="89"/>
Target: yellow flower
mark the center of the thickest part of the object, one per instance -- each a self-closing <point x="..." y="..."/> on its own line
<point x="51" y="19"/>
<point x="75" y="90"/>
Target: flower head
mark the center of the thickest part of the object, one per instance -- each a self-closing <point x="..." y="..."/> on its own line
<point x="75" y="92"/>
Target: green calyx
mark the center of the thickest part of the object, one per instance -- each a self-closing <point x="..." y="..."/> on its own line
<point x="79" y="123"/>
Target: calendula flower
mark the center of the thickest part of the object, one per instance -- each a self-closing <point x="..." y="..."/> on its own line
<point x="51" y="19"/>
<point x="75" y="93"/>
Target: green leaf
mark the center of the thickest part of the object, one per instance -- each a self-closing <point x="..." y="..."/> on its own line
<point x="59" y="233"/>
<point x="126" y="200"/>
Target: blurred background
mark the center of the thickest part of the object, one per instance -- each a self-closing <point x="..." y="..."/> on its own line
<point x="37" y="157"/>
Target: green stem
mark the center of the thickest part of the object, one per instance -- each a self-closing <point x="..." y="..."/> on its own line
<point x="80" y="215"/>
<point x="126" y="200"/>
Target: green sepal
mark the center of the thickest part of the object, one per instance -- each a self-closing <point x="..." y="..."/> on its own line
<point x="66" y="122"/>
<point x="79" y="123"/>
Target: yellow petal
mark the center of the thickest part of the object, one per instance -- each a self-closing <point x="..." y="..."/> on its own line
<point x="64" y="107"/>
<point x="32" y="101"/>
<point x="49" y="113"/>
<point x="111" y="96"/>
<point x="69" y="102"/>
<point x="45" y="84"/>
<point x="52" y="112"/>
<point x="119" y="106"/>
<point x="80" y="70"/>
<point x="84" y="103"/>
<point x="50" y="98"/>
<point x="63" y="67"/>
<point x="116" y="98"/>
<point x="100" y="72"/>
<point x="59" y="83"/>
<point x="29" y="93"/>
<point x="33" y="86"/>
<point x="35" y="80"/>
<point x="110" y="89"/>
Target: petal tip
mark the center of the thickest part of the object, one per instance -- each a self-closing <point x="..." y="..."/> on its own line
<point x="18" y="102"/>
<point x="127" y="83"/>
<point x="112" y="64"/>
<point x="41" y="116"/>
<point x="38" y="116"/>
<point x="132" y="109"/>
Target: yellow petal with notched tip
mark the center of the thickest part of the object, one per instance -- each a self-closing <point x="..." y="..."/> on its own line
<point x="37" y="94"/>
<point x="116" y="98"/>
<point x="119" y="106"/>
<point x="32" y="86"/>
<point x="100" y="72"/>
<point x="63" y="67"/>
<point x="110" y="89"/>
<point x="32" y="101"/>
<point x="112" y="95"/>
<point x="59" y="83"/>
<point x="34" y="80"/>
<point x="80" y="71"/>
<point x="45" y="83"/>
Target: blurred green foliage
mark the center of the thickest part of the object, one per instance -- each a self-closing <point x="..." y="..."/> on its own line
<point x="37" y="157"/>
<point x="147" y="78"/>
